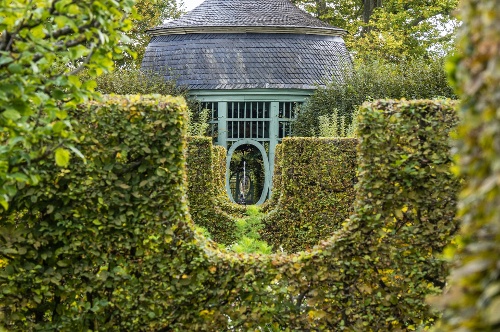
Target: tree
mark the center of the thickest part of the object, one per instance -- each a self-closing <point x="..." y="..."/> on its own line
<point x="152" y="13"/>
<point x="414" y="78"/>
<point x="44" y="44"/>
<point x="392" y="29"/>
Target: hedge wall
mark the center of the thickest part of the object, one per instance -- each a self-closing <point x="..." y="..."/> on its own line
<point x="223" y="201"/>
<point x="406" y="204"/>
<point x="204" y="192"/>
<point x="473" y="300"/>
<point x="271" y="203"/>
<point x="84" y="247"/>
<point x="108" y="245"/>
<point x="318" y="177"/>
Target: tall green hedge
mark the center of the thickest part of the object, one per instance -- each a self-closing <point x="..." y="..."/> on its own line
<point x="204" y="192"/>
<point x="406" y="205"/>
<point x="270" y="204"/>
<point x="222" y="198"/>
<point x="108" y="245"/>
<point x="473" y="300"/>
<point x="84" y="248"/>
<point x="317" y="180"/>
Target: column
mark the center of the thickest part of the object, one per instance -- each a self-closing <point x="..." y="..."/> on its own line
<point x="273" y="135"/>
<point x="222" y="124"/>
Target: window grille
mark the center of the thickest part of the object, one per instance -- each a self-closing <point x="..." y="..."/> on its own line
<point x="248" y="120"/>
<point x="287" y="113"/>
<point x="213" y="107"/>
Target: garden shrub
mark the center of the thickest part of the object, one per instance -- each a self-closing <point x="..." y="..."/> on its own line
<point x="276" y="189"/>
<point x="248" y="237"/>
<point x="204" y="191"/>
<point x="406" y="205"/>
<point x="109" y="246"/>
<point x="473" y="301"/>
<point x="84" y="247"/>
<point x="44" y="45"/>
<point x="318" y="177"/>
<point x="223" y="201"/>
<point x="412" y="78"/>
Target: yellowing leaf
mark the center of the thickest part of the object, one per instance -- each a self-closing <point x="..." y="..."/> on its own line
<point x="62" y="157"/>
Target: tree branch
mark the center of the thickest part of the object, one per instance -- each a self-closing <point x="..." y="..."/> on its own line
<point x="85" y="62"/>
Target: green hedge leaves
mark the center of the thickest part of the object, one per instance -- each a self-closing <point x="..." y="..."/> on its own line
<point x="473" y="300"/>
<point x="316" y="191"/>
<point x="84" y="248"/>
<point x="406" y="204"/>
<point x="108" y="245"/>
<point x="205" y="191"/>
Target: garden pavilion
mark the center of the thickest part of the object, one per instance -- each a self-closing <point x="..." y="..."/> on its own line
<point x="250" y="62"/>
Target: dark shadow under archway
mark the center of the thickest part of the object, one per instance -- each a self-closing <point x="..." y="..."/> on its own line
<point x="246" y="174"/>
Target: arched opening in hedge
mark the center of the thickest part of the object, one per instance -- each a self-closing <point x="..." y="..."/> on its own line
<point x="110" y="245"/>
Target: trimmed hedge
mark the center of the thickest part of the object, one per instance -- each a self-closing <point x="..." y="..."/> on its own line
<point x="223" y="201"/>
<point x="318" y="177"/>
<point x="85" y="246"/>
<point x="406" y="205"/>
<point x="271" y="203"/>
<point x="473" y="300"/>
<point x="114" y="249"/>
<point x="204" y="192"/>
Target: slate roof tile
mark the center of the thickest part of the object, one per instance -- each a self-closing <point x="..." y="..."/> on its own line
<point x="248" y="13"/>
<point x="244" y="61"/>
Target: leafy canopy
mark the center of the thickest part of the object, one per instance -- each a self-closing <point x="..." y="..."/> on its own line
<point x="151" y="14"/>
<point x="44" y="44"/>
<point x="392" y="29"/>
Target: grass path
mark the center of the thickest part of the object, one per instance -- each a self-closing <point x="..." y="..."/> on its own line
<point x="248" y="233"/>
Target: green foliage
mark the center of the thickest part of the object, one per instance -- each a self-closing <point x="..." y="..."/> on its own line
<point x="222" y="198"/>
<point x="404" y="29"/>
<point x="406" y="204"/>
<point x="390" y="29"/>
<point x="317" y="192"/>
<point x="335" y="125"/>
<point x="247" y="233"/>
<point x="374" y="79"/>
<point x="108" y="245"/>
<point x="270" y="204"/>
<point x="152" y="13"/>
<point x="43" y="46"/>
<point x="199" y="126"/>
<point x="86" y="252"/>
<point x="130" y="80"/>
<point x="473" y="301"/>
<point x="126" y="81"/>
<point x="204" y="191"/>
<point x="250" y="245"/>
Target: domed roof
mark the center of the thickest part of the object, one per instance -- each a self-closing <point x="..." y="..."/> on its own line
<point x="270" y="15"/>
<point x="247" y="44"/>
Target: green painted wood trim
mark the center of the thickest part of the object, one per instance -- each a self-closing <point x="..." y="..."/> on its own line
<point x="273" y="134"/>
<point x="251" y="95"/>
<point x="222" y="125"/>
<point x="258" y="140"/>
<point x="267" y="177"/>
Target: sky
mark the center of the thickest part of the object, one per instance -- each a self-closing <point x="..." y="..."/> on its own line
<point x="190" y="4"/>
